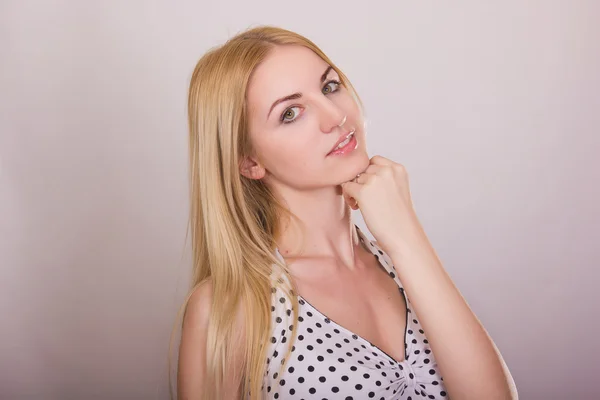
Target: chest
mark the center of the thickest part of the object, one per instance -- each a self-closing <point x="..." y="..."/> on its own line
<point x="366" y="301"/>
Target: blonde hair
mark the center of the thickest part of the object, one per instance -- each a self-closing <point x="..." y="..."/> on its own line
<point x="234" y="220"/>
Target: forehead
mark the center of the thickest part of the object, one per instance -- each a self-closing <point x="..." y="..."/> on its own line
<point x="286" y="70"/>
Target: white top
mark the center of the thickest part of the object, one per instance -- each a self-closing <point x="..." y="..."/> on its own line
<point x="330" y="362"/>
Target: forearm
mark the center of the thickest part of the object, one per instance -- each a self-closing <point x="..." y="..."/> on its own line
<point x="467" y="358"/>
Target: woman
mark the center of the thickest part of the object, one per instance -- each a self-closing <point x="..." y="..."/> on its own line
<point x="290" y="299"/>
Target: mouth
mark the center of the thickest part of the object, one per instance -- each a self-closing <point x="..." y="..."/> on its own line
<point x="343" y="142"/>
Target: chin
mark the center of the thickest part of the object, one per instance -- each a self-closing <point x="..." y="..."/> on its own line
<point x="359" y="165"/>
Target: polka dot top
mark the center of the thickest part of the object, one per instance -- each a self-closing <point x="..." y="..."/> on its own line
<point x="330" y="362"/>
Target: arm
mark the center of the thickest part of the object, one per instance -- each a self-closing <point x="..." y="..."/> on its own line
<point x="468" y="359"/>
<point x="191" y="373"/>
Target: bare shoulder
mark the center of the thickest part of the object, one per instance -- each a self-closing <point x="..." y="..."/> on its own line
<point x="199" y="305"/>
<point x="193" y="347"/>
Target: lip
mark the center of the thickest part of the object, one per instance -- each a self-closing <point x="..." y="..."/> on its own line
<point x="341" y="139"/>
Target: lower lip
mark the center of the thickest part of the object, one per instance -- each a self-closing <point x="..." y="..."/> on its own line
<point x="350" y="147"/>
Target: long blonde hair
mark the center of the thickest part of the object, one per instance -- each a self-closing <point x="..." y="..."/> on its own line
<point x="234" y="220"/>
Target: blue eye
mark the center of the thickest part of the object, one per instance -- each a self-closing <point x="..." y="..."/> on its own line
<point x="289" y="115"/>
<point x="331" y="87"/>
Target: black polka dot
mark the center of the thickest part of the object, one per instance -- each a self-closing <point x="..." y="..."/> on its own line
<point x="335" y="357"/>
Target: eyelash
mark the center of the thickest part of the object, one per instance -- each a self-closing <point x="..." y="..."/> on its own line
<point x="282" y="118"/>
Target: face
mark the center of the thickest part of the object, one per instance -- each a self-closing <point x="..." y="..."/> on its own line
<point x="296" y="108"/>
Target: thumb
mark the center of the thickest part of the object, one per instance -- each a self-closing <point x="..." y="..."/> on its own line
<point x="351" y="190"/>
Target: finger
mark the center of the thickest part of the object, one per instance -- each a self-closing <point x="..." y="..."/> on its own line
<point x="362" y="178"/>
<point x="352" y="189"/>
<point x="379" y="160"/>
<point x="351" y="201"/>
<point x="373" y="169"/>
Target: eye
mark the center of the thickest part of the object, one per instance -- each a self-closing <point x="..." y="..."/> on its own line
<point x="290" y="114"/>
<point x="331" y="87"/>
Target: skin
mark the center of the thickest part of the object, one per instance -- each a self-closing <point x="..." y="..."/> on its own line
<point x="334" y="272"/>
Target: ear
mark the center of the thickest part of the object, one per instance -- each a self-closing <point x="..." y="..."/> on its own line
<point x="251" y="168"/>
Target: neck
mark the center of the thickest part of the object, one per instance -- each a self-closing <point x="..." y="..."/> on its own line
<point x="327" y="230"/>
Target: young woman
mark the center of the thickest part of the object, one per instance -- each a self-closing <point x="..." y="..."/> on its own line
<point x="290" y="299"/>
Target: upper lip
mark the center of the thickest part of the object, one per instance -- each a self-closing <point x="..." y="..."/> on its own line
<point x="342" y="137"/>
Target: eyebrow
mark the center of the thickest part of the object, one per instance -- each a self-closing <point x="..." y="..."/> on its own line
<point x="296" y="95"/>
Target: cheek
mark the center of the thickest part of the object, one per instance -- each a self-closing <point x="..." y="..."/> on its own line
<point x="290" y="156"/>
<point x="352" y="108"/>
<point x="295" y="156"/>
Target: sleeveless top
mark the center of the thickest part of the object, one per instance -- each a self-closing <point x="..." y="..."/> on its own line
<point x="329" y="361"/>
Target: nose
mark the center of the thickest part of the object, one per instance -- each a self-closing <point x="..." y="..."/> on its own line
<point x="331" y="116"/>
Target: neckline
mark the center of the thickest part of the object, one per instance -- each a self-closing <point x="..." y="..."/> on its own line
<point x="364" y="240"/>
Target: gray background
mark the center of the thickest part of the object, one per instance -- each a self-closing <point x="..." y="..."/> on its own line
<point x="494" y="108"/>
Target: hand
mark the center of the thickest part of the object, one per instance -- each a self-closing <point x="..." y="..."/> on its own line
<point x="382" y="194"/>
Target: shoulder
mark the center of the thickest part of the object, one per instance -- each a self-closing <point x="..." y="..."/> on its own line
<point x="198" y="308"/>
<point x="193" y="347"/>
